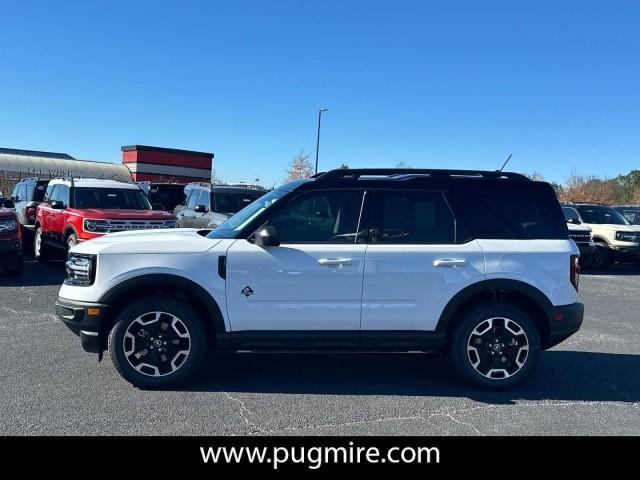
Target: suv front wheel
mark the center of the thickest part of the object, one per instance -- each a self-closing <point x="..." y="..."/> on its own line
<point x="158" y="342"/>
<point x="41" y="251"/>
<point x="495" y="346"/>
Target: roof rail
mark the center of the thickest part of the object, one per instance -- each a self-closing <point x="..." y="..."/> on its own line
<point x="356" y="173"/>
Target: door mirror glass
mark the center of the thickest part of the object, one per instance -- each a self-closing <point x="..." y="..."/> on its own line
<point x="57" y="205"/>
<point x="200" y="209"/>
<point x="8" y="203"/>
<point x="575" y="221"/>
<point x="267" y="237"/>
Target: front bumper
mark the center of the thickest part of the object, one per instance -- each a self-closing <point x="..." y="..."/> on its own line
<point x="631" y="252"/>
<point x="10" y="252"/>
<point x="586" y="249"/>
<point x="85" y="320"/>
<point x="564" y="321"/>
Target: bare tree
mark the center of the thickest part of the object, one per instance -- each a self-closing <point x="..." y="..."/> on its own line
<point x="344" y="166"/>
<point x="403" y="165"/>
<point x="300" y="167"/>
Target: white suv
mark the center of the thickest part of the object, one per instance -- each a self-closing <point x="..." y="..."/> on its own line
<point x="474" y="264"/>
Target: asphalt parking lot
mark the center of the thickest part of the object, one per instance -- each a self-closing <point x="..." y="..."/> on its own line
<point x="589" y="385"/>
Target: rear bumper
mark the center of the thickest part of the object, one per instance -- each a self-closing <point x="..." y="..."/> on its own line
<point x="564" y="321"/>
<point x="81" y="318"/>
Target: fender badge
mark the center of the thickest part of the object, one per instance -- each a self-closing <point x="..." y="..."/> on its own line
<point x="246" y="291"/>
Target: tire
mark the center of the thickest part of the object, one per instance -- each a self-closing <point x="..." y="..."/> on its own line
<point x="601" y="258"/>
<point x="149" y="327"/>
<point x="41" y="251"/>
<point x="72" y="241"/>
<point x="485" y="363"/>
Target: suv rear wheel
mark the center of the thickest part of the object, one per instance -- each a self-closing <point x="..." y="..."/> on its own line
<point x="495" y="346"/>
<point x="158" y="342"/>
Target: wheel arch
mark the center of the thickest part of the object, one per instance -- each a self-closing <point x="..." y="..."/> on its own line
<point x="132" y="289"/>
<point x="68" y="230"/>
<point x="499" y="291"/>
<point x="600" y="238"/>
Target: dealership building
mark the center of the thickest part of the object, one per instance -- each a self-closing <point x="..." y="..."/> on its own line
<point x="139" y="162"/>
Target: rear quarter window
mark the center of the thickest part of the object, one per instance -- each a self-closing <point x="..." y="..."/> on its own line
<point x="522" y="211"/>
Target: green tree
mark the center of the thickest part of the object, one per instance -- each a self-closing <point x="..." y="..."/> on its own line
<point x="630" y="184"/>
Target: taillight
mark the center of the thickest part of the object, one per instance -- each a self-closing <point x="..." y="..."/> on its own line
<point x="574" y="270"/>
<point x="31" y="213"/>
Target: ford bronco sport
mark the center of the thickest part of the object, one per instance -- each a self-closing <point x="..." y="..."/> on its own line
<point x="73" y="211"/>
<point x="474" y="264"/>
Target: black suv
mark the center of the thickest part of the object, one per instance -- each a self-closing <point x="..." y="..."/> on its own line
<point x="164" y="196"/>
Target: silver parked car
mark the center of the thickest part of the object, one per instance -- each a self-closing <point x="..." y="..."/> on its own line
<point x="207" y="205"/>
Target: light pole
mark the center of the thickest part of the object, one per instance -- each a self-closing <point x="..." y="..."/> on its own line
<point x="318" y="139"/>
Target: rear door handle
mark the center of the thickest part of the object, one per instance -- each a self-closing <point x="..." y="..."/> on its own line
<point x="446" y="262"/>
<point x="335" y="261"/>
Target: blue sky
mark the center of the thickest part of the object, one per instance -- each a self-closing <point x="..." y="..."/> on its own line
<point x="457" y="84"/>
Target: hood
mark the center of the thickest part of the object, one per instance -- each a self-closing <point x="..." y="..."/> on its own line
<point x="172" y="240"/>
<point x="118" y="214"/>
<point x="7" y="213"/>
<point x="619" y="228"/>
<point x="578" y="228"/>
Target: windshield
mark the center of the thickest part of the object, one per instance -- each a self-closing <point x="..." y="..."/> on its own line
<point x="166" y="197"/>
<point x="599" y="215"/>
<point x="110" y="199"/>
<point x="570" y="214"/>
<point x="232" y="227"/>
<point x="234" y="202"/>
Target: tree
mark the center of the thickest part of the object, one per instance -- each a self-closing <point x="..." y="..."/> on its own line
<point x="630" y="184"/>
<point x="403" y="165"/>
<point x="344" y="166"/>
<point x="589" y="188"/>
<point x="300" y="167"/>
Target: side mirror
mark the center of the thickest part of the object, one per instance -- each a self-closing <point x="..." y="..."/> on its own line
<point x="200" y="209"/>
<point x="575" y="221"/>
<point x="267" y="237"/>
<point x="9" y="204"/>
<point x="57" y="205"/>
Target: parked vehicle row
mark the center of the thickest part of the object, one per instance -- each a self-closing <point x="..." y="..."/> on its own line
<point x="615" y="237"/>
<point x="73" y="211"/>
<point x="475" y="264"/>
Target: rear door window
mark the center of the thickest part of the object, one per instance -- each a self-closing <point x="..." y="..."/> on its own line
<point x="413" y="217"/>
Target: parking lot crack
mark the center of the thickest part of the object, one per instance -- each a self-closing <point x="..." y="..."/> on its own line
<point x="245" y="413"/>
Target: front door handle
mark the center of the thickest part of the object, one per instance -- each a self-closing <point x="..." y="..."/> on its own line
<point x="446" y="262"/>
<point x="335" y="261"/>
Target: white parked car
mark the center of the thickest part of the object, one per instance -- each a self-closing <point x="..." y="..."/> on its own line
<point x="475" y="264"/>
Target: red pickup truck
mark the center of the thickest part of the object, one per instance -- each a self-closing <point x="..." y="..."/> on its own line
<point x="77" y="210"/>
<point x="10" y="243"/>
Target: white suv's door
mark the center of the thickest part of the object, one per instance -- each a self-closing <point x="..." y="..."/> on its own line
<point x="413" y="264"/>
<point x="312" y="281"/>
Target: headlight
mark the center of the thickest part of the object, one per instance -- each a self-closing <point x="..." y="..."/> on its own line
<point x="80" y="270"/>
<point x="96" y="226"/>
<point x="8" y="225"/>
<point x="627" y="236"/>
<point x="171" y="224"/>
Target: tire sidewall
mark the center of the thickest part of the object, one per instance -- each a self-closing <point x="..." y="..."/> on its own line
<point x="72" y="238"/>
<point x="40" y="254"/>
<point x="458" y="346"/>
<point x="189" y="318"/>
